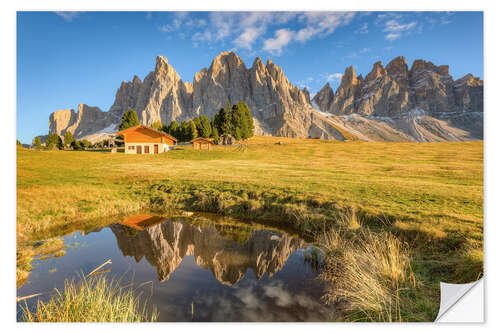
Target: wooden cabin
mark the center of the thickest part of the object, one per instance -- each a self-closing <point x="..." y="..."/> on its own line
<point x="202" y="144"/>
<point x="144" y="140"/>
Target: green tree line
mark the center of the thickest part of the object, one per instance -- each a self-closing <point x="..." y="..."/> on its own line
<point x="236" y="121"/>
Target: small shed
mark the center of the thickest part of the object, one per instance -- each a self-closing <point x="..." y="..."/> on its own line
<point x="202" y="144"/>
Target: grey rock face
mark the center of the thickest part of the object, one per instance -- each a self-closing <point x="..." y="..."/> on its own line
<point x="87" y="120"/>
<point x="395" y="90"/>
<point x="404" y="97"/>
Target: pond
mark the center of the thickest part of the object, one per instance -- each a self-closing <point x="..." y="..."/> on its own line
<point x="197" y="268"/>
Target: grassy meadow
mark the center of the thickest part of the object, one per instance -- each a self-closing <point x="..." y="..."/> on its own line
<point x="424" y="198"/>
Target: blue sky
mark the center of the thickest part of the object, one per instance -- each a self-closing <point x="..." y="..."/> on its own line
<point x="82" y="57"/>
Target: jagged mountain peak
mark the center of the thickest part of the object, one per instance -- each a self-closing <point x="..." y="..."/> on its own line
<point x="397" y="61"/>
<point x="377" y="71"/>
<point x="470" y="80"/>
<point x="349" y="77"/>
<point x="258" y="64"/>
<point x="136" y="79"/>
<point x="161" y="62"/>
<point x="397" y="67"/>
<point x="162" y="67"/>
<point x="227" y="58"/>
<point x="420" y="65"/>
<point x="161" y="59"/>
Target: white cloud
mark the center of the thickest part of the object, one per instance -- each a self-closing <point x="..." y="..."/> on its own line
<point x="281" y="296"/>
<point x="305" y="34"/>
<point x="271" y="31"/>
<point x="392" y="36"/>
<point x="248" y="37"/>
<point x="202" y="37"/>
<point x="175" y="23"/>
<point x="358" y="53"/>
<point x="396" y="29"/>
<point x="322" y="23"/>
<point x="363" y="29"/>
<point x="446" y="18"/>
<point x="395" y="26"/>
<point x="316" y="24"/>
<point x="68" y="16"/>
<point x="386" y="16"/>
<point x="221" y="24"/>
<point x="306" y="83"/>
<point x="281" y="38"/>
<point x="334" y="77"/>
<point x="182" y="20"/>
<point x="247" y="296"/>
<point x="245" y="30"/>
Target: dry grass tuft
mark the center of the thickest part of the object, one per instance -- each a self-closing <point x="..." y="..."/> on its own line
<point x="93" y="299"/>
<point x="349" y="220"/>
<point x="367" y="272"/>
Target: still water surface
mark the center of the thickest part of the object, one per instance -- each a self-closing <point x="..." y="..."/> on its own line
<point x="197" y="268"/>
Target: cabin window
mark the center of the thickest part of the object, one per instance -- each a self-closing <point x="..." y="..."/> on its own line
<point x="131" y="147"/>
<point x="146" y="149"/>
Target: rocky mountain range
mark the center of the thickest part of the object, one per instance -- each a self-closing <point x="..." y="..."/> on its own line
<point x="165" y="245"/>
<point x="423" y="103"/>
<point x="391" y="103"/>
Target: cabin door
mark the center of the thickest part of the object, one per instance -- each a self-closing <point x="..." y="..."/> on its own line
<point x="156" y="149"/>
<point x="139" y="149"/>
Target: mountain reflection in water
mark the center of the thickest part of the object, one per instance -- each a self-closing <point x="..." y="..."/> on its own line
<point x="202" y="267"/>
<point x="165" y="244"/>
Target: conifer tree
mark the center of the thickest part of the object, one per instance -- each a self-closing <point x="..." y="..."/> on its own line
<point x="205" y="128"/>
<point x="68" y="138"/>
<point x="129" y="119"/>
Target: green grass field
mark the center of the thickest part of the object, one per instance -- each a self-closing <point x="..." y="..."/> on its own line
<point x="429" y="195"/>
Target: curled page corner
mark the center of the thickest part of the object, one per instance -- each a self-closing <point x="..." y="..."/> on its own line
<point x="461" y="302"/>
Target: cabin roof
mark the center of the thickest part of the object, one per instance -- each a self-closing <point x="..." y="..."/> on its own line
<point x="152" y="130"/>
<point x="143" y="221"/>
<point x="202" y="139"/>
